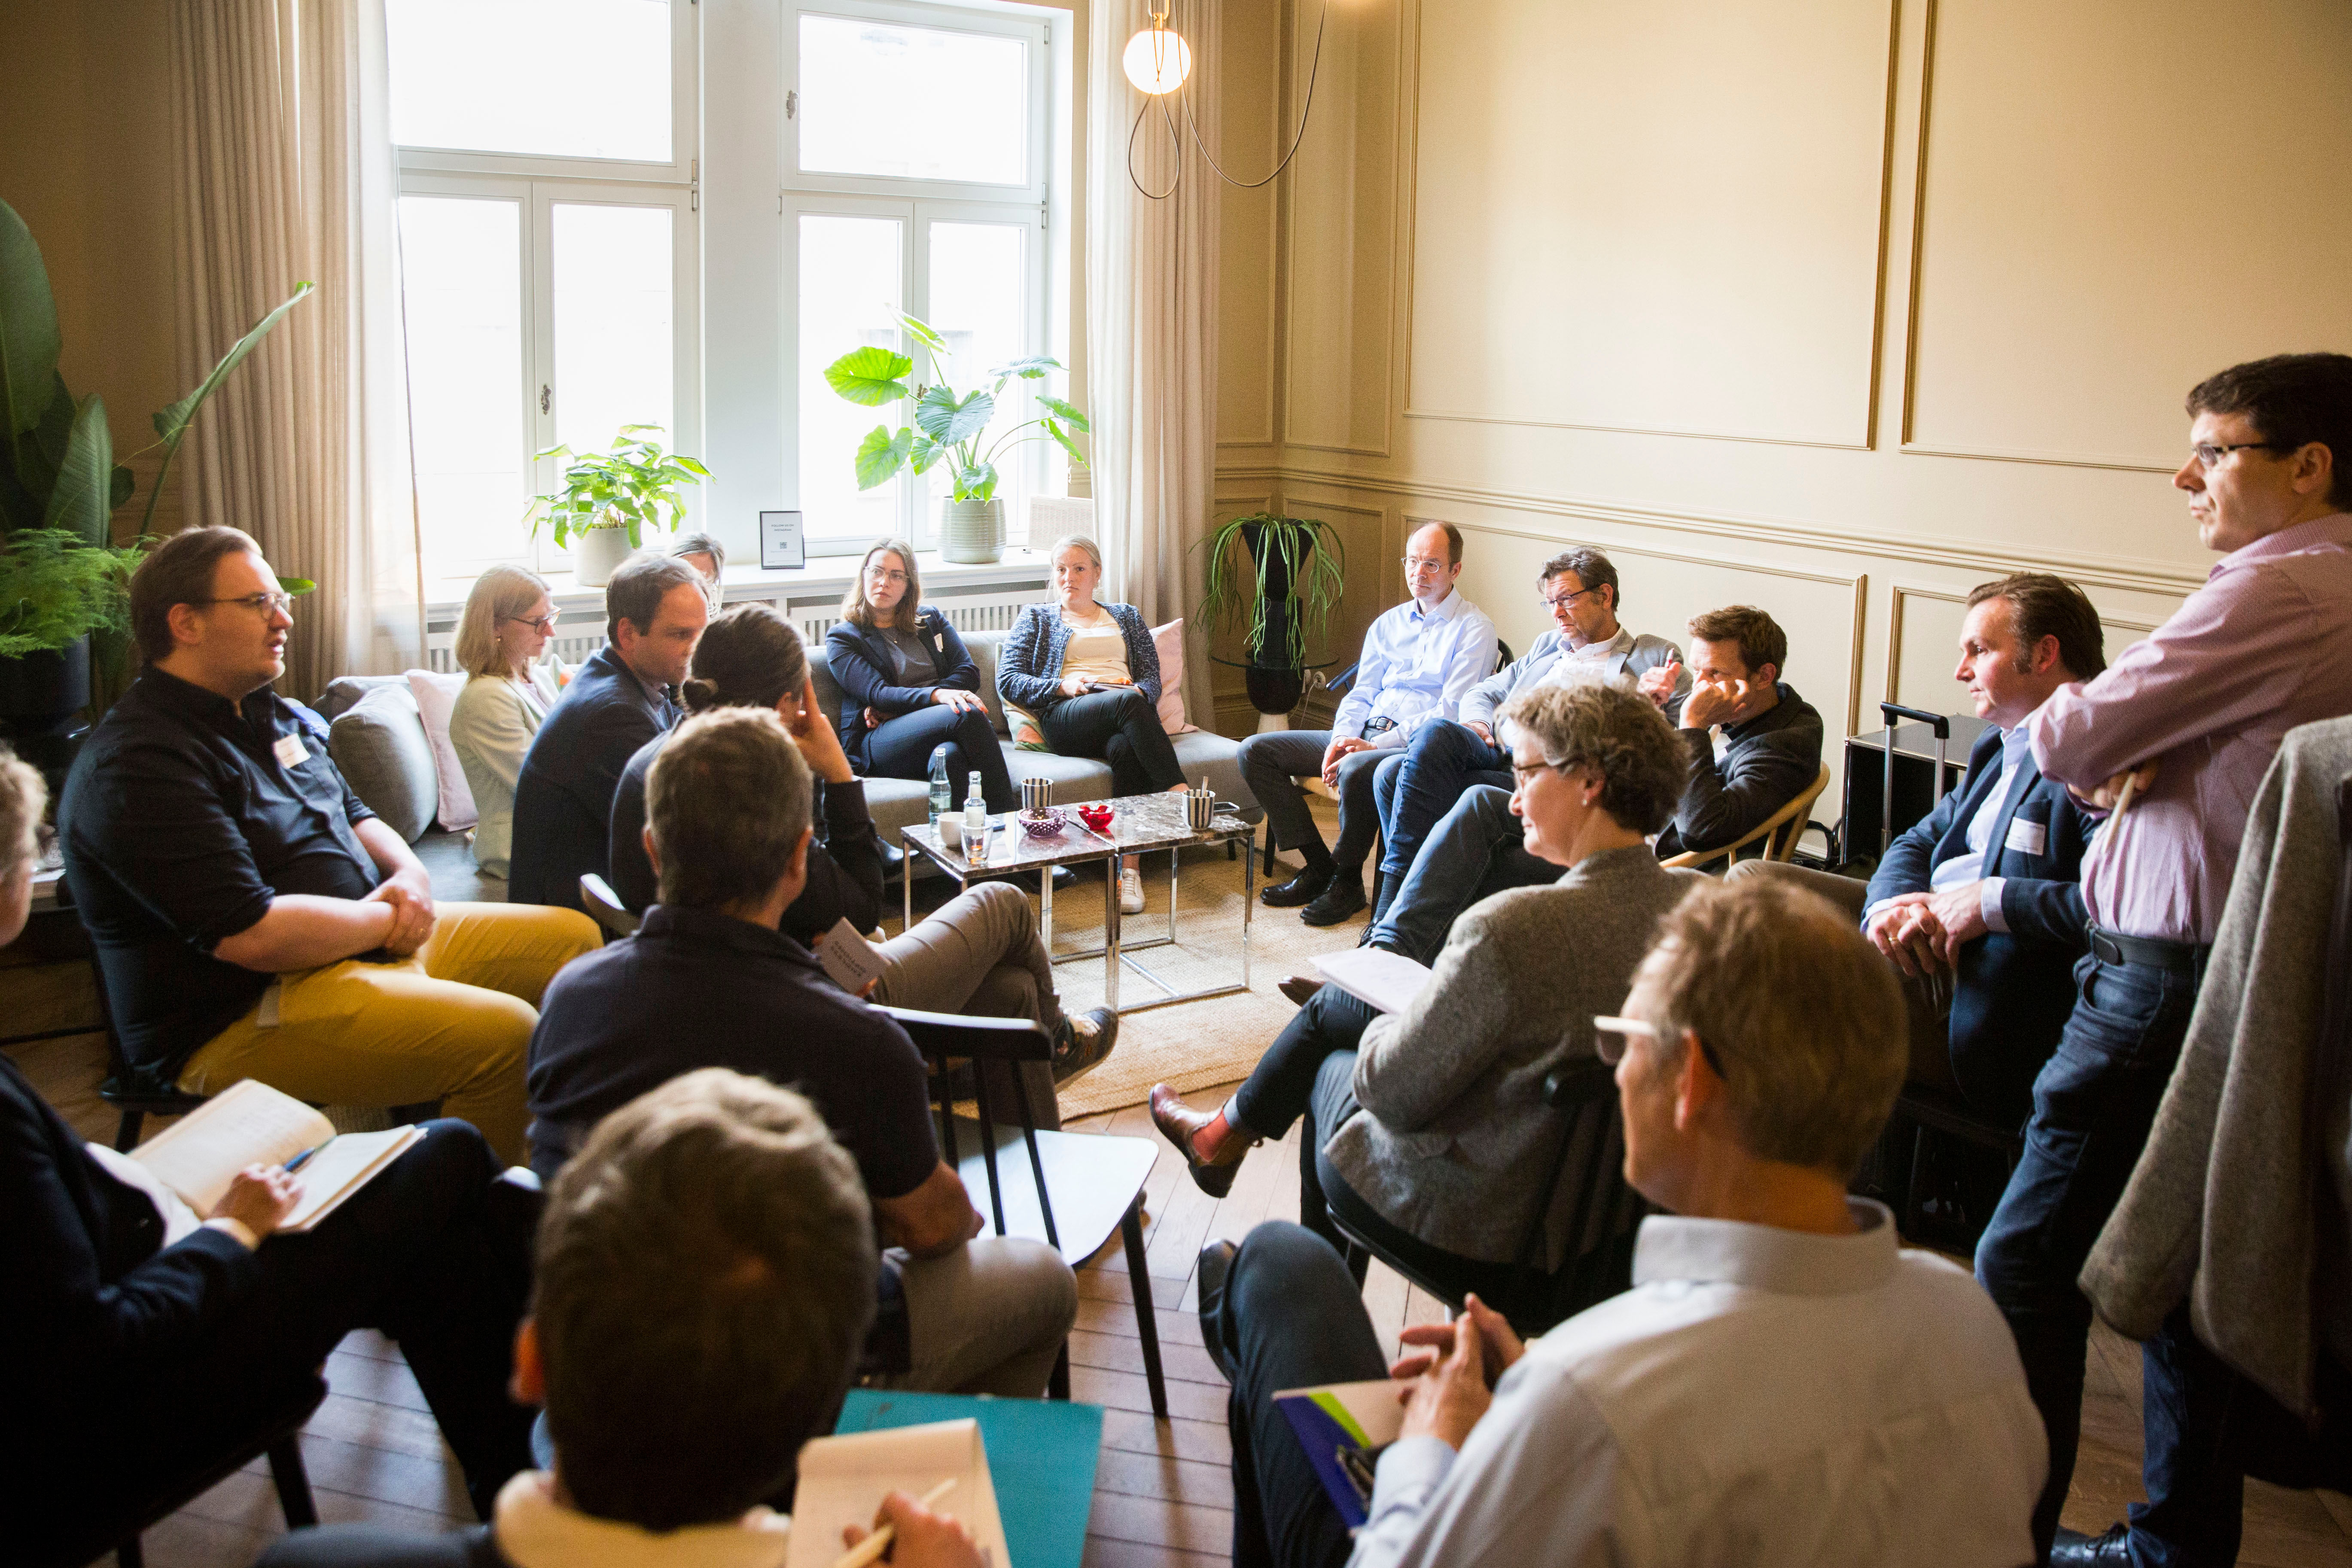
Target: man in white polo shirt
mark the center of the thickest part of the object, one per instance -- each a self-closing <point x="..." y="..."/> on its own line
<point x="1418" y="660"/>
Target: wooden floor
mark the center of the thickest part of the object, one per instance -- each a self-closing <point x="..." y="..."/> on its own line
<point x="1162" y="1497"/>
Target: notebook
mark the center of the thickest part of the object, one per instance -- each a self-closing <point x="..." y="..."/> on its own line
<point x="251" y="1123"/>
<point x="1343" y="1427"/>
<point x="843" y="1481"/>
<point x="1046" y="1452"/>
<point x="1384" y="981"/>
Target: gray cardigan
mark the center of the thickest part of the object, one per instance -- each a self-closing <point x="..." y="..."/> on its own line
<point x="2221" y="1207"/>
<point x="1648" y="653"/>
<point x="1453" y="1139"/>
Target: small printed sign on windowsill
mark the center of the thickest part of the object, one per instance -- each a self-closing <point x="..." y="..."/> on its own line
<point x="784" y="544"/>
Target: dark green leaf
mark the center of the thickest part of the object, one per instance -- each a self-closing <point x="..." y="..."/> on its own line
<point x="881" y="455"/>
<point x="870" y="376"/>
<point x="171" y="423"/>
<point x="119" y="489"/>
<point x="1068" y="411"/>
<point x="28" y="328"/>
<point x="79" y="503"/>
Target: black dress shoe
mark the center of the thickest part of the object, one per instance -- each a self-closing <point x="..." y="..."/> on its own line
<point x="2073" y="1549"/>
<point x="1343" y="898"/>
<point x="1303" y="889"/>
<point x="892" y="857"/>
<point x="1216" y="1263"/>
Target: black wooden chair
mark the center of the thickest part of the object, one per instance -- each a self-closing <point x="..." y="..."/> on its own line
<point x="1931" y="1112"/>
<point x="123" y="1508"/>
<point x="1603" y="1211"/>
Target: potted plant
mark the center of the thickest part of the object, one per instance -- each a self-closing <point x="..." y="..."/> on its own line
<point x="1286" y="573"/>
<point x="63" y="581"/>
<point x="947" y="429"/>
<point x="609" y="499"/>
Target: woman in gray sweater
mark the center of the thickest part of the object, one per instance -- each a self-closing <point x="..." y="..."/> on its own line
<point x="1427" y="1129"/>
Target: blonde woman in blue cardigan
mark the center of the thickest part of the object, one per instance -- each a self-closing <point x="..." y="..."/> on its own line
<point x="1083" y="678"/>
<point x="511" y="683"/>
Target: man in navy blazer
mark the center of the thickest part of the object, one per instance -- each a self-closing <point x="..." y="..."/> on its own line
<point x="1980" y="904"/>
<point x="654" y="608"/>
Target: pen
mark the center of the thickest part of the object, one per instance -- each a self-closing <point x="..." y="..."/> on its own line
<point x="874" y="1545"/>
<point x="297" y="1162"/>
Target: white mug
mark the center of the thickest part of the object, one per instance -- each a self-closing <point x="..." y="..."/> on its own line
<point x="950" y="831"/>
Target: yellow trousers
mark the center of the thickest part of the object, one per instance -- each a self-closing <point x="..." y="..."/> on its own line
<point x="451" y="1022"/>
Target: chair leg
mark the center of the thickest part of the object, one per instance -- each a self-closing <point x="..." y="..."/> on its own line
<point x="1147" y="1323"/>
<point x="293" y="1483"/>
<point x="126" y="1139"/>
<point x="1232" y="848"/>
<point x="1913" y="1204"/>
<point x="126" y="1554"/>
<point x="1057" y="1382"/>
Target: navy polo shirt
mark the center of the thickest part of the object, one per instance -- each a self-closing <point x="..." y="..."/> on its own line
<point x="184" y="816"/>
<point x="695" y="988"/>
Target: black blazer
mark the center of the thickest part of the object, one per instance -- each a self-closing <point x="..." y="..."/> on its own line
<point x="862" y="666"/>
<point x="2013" y="992"/>
<point x="1769" y="761"/>
<point x="563" y="796"/>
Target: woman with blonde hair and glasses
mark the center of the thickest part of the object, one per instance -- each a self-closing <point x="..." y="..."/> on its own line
<point x="511" y="683"/>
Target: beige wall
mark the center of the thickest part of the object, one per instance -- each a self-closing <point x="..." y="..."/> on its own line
<point x="86" y="159"/>
<point x="1832" y="306"/>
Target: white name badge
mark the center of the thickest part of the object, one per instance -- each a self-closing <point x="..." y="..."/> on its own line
<point x="291" y="752"/>
<point x="2027" y="838"/>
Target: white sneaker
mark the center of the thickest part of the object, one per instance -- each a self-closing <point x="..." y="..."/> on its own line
<point x="1130" y="891"/>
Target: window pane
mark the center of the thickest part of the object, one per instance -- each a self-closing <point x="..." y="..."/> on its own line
<point x="849" y="290"/>
<point x="574" y="78"/>
<point x="612" y="334"/>
<point x="979" y="305"/>
<point x="919" y="103"/>
<point x="461" y="274"/>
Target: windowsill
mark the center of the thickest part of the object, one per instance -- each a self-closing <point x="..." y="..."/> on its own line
<point x="823" y="576"/>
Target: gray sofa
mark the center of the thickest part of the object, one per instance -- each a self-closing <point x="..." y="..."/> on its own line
<point x="377" y="738"/>
<point x="897" y="803"/>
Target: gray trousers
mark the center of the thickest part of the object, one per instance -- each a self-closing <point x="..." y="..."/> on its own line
<point x="1926" y="997"/>
<point x="1273" y="760"/>
<point x="1473" y="853"/>
<point x="988" y="1318"/>
<point x="980" y="954"/>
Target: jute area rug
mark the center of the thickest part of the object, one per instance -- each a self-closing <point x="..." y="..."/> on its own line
<point x="1191" y="1045"/>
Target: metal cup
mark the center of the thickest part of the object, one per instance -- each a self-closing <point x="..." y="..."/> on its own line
<point x="1036" y="795"/>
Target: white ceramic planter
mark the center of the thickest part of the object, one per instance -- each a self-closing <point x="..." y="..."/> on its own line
<point x="971" y="532"/>
<point x="597" y="555"/>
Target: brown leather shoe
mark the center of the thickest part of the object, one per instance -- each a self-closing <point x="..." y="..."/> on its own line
<point x="1180" y="1124"/>
<point x="1299" y="989"/>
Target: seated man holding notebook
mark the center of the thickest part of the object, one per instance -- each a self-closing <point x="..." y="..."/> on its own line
<point x="705" y="1276"/>
<point x="1783" y="1384"/>
<point x="709" y="981"/>
<point x="252" y="918"/>
<point x="148" y="1338"/>
<point x="1427" y="1130"/>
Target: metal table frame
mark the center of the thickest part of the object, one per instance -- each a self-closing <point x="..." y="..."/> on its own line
<point x="1083" y="846"/>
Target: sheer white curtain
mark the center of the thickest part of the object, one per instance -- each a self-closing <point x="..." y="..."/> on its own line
<point x="287" y="173"/>
<point x="1151" y="328"/>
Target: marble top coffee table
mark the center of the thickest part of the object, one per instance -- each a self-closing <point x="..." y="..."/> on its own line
<point x="1142" y="823"/>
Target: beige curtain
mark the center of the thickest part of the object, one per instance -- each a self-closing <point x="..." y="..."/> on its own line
<point x="287" y="173"/>
<point x="1151" y="327"/>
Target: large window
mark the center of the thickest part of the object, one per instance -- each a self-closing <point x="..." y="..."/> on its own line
<point x="549" y="252"/>
<point x="916" y="145"/>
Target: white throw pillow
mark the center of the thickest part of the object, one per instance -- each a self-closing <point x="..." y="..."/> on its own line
<point x="1169" y="641"/>
<point x="436" y="698"/>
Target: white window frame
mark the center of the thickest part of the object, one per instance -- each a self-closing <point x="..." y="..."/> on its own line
<point x="541" y="182"/>
<point x="917" y="204"/>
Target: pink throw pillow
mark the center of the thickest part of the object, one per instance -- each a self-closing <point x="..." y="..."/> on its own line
<point x="437" y="698"/>
<point x="1167" y="641"/>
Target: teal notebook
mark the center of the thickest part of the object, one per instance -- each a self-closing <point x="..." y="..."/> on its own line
<point x="1041" y="1460"/>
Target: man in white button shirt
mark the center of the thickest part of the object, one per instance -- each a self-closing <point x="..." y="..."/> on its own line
<point x="1783" y="1385"/>
<point x="1418" y="661"/>
<point x="1980" y="904"/>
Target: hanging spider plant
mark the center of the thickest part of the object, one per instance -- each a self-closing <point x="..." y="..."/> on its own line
<point x="1294" y="569"/>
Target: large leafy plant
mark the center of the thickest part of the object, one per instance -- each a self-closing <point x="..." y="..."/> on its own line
<point x="634" y="486"/>
<point x="1276" y="574"/>
<point x="61" y="576"/>
<point x="948" y="427"/>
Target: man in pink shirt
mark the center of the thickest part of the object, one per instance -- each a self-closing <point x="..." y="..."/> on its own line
<point x="2175" y="737"/>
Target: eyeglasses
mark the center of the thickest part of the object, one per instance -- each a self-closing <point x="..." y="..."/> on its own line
<point x="1417" y="566"/>
<point x="1522" y="772"/>
<point x="543" y="624"/>
<point x="2209" y="453"/>
<point x="884" y="574"/>
<point x="1604" y="1027"/>
<point x="268" y="604"/>
<point x="1552" y="604"/>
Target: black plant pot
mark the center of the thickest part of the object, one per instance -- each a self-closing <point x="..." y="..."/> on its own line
<point x="42" y="696"/>
<point x="1274" y="689"/>
<point x="1274" y="683"/>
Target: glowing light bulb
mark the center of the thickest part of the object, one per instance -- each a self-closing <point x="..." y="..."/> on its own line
<point x="1157" y="60"/>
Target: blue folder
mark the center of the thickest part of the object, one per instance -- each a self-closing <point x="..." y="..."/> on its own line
<point x="1041" y="1460"/>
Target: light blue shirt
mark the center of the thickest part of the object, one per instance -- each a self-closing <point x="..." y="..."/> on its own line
<point x="1417" y="664"/>
<point x="1759" y="1395"/>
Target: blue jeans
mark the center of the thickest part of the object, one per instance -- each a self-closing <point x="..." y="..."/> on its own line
<point x="2092" y="1106"/>
<point x="1474" y="853"/>
<point x="1441" y="761"/>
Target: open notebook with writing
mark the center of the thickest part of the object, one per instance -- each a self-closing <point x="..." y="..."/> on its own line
<point x="251" y="1123"/>
<point x="843" y="1481"/>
